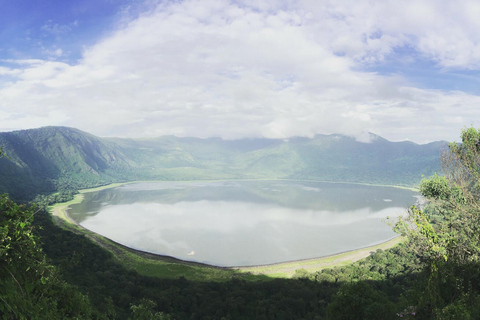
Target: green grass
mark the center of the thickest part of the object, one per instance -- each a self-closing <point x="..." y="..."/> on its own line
<point x="287" y="269"/>
<point x="60" y="209"/>
<point x="165" y="267"/>
<point x="108" y="186"/>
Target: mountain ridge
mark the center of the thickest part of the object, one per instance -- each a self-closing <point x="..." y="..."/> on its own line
<point x="52" y="158"/>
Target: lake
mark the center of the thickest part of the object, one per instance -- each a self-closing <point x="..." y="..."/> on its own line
<point x="243" y="223"/>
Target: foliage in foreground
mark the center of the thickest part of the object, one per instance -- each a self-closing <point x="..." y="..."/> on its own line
<point x="29" y="287"/>
<point x="384" y="277"/>
<point x="376" y="285"/>
<point x="446" y="234"/>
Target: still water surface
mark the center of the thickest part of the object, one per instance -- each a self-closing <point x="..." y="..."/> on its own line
<point x="243" y="223"/>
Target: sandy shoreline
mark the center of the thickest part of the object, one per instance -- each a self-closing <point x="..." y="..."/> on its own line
<point x="282" y="269"/>
<point x="316" y="264"/>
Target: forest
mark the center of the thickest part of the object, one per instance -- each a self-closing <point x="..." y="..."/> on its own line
<point x="50" y="272"/>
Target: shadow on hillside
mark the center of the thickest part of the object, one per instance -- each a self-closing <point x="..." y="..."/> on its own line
<point x="311" y="296"/>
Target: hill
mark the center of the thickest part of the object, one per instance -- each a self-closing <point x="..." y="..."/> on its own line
<point x="52" y="158"/>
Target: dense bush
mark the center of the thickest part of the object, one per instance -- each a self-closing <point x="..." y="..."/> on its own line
<point x="29" y="286"/>
<point x="445" y="235"/>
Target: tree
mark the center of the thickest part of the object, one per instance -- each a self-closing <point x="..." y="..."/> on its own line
<point x="144" y="311"/>
<point x="445" y="234"/>
<point x="358" y="300"/>
<point x="30" y="288"/>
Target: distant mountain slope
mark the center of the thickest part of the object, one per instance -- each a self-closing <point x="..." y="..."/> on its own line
<point x="338" y="157"/>
<point x="46" y="159"/>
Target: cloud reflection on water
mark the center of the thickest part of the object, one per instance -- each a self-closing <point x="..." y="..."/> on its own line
<point x="240" y="233"/>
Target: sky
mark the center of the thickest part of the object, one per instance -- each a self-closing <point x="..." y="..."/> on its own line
<point x="404" y="70"/>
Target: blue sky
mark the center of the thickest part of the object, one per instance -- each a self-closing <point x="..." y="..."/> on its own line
<point x="36" y="29"/>
<point x="234" y="69"/>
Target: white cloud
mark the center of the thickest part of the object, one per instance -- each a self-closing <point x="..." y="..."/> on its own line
<point x="273" y="69"/>
<point x="12" y="121"/>
<point x="4" y="71"/>
<point x="55" y="28"/>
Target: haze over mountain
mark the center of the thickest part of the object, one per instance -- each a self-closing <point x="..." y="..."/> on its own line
<point x="52" y="158"/>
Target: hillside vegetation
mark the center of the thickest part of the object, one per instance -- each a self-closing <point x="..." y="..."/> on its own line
<point x="60" y="158"/>
<point x="434" y="274"/>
